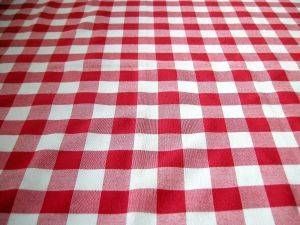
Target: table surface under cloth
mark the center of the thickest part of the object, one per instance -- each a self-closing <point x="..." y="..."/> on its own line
<point x="140" y="112"/>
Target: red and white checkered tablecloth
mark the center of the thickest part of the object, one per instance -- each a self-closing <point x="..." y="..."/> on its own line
<point x="142" y="112"/>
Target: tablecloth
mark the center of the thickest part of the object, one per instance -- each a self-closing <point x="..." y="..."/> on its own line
<point x="148" y="112"/>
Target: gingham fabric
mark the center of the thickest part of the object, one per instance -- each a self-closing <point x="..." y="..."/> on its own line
<point x="150" y="112"/>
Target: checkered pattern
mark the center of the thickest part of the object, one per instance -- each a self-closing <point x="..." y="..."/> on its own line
<point x="163" y="112"/>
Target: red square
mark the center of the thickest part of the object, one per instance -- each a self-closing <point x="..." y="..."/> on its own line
<point x="123" y="126"/>
<point x="164" y="56"/>
<point x="170" y="97"/>
<point x="7" y="199"/>
<point x="249" y="98"/>
<point x="18" y="160"/>
<point x="200" y="57"/>
<point x="15" y="77"/>
<point x="288" y="97"/>
<point x="119" y="159"/>
<point x="113" y="202"/>
<point x="205" y="76"/>
<point x="164" y="75"/>
<point x="170" y="201"/>
<point x="6" y="100"/>
<point x="128" y="76"/>
<point x="209" y="99"/>
<point x="280" y="195"/>
<point x="267" y="156"/>
<point x="214" y="125"/>
<point x="90" y="75"/>
<point x="78" y="126"/>
<point x="241" y="75"/>
<point x="43" y="99"/>
<point x="53" y="76"/>
<point x="294" y="123"/>
<point x="277" y="75"/>
<point x="220" y="158"/>
<point x="33" y="127"/>
<point x="258" y="124"/>
<point x="170" y="158"/>
<point x="68" y="160"/>
<point x="227" y="199"/>
<point x="81" y="98"/>
<point x="127" y="99"/>
<point x="57" y="202"/>
<point x="169" y="126"/>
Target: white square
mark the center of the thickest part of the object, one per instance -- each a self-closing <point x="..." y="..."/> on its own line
<point x="193" y="141"/>
<point x="173" y="8"/>
<point x="114" y="33"/>
<point x="278" y="48"/>
<point x="197" y="178"/>
<point x="177" y="33"/>
<point x="226" y="87"/>
<point x="213" y="49"/>
<point x="201" y="218"/>
<point x="140" y="218"/>
<point x="68" y="87"/>
<point x="180" y="48"/>
<point x="233" y="111"/>
<point x="292" y="173"/>
<point x="175" y="20"/>
<point x="147" y="111"/>
<point x="273" y="111"/>
<point x="110" y="65"/>
<point x="74" y="66"/>
<point x="146" y="8"/>
<point x="119" y="8"/>
<point x="146" y="48"/>
<point x="239" y="33"/>
<point x="78" y="49"/>
<point x="36" y="179"/>
<point x="278" y="9"/>
<point x="7" y="142"/>
<point x="60" y="112"/>
<point x="148" y="86"/>
<point x="208" y="33"/>
<point x="50" y="142"/>
<point x="288" y="21"/>
<point x="52" y="35"/>
<point x="246" y="48"/>
<point x="104" y="111"/>
<point x="264" y="86"/>
<point x="58" y="22"/>
<point x="82" y="219"/>
<point x="284" y="140"/>
<point x="112" y="49"/>
<point x="108" y="87"/>
<point x="255" y="66"/>
<point x="147" y="65"/>
<point x="146" y="33"/>
<point x="117" y="20"/>
<point x="89" y="180"/>
<point x="38" y="67"/>
<point x="148" y="142"/>
<point x="22" y="36"/>
<point x="184" y="65"/>
<point x="88" y="19"/>
<point x="240" y="140"/>
<point x="200" y="9"/>
<point x="204" y="20"/>
<point x="295" y="85"/>
<point x="97" y="142"/>
<point x="190" y="111"/>
<point x="46" y="50"/>
<point x="146" y="20"/>
<point x="14" y="51"/>
<point x="260" y="20"/>
<point x="6" y="67"/>
<point x="248" y="175"/>
<point x="268" y="33"/>
<point x="289" y="65"/>
<point x="220" y="66"/>
<point x="23" y="218"/>
<point x="188" y="86"/>
<point x="29" y="88"/>
<point x="232" y="20"/>
<point x="143" y="178"/>
<point x="18" y="113"/>
<point x="227" y="9"/>
<point x="80" y="33"/>
<point x="258" y="216"/>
